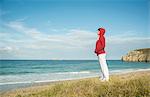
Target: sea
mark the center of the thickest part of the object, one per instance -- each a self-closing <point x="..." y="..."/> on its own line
<point x="22" y="73"/>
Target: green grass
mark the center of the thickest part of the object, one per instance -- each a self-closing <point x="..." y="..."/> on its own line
<point x="125" y="85"/>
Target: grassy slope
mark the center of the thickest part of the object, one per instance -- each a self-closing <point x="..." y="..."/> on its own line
<point x="124" y="85"/>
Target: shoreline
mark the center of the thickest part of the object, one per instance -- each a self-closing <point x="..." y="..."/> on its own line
<point x="45" y="84"/>
<point x="47" y="81"/>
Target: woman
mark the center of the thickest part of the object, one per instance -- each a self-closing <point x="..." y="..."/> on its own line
<point x="99" y="50"/>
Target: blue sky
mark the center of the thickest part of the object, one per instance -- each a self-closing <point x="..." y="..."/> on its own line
<point x="66" y="29"/>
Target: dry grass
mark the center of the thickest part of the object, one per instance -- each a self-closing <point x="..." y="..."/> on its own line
<point x="136" y="84"/>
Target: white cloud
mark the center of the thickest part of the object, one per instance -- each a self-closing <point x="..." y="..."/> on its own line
<point x="128" y="36"/>
<point x="19" y="26"/>
<point x="73" y="39"/>
<point x="118" y="45"/>
<point x="8" y="49"/>
<point x="76" y="41"/>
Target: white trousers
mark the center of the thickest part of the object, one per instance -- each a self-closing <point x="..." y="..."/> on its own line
<point x="103" y="65"/>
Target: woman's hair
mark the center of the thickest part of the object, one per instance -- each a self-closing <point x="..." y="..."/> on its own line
<point x="100" y="29"/>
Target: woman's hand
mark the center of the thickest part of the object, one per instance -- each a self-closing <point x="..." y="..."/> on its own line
<point x="95" y="51"/>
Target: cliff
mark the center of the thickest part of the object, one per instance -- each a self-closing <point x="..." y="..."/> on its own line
<point x="138" y="55"/>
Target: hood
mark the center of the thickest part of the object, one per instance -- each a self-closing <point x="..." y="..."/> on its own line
<point x="102" y="31"/>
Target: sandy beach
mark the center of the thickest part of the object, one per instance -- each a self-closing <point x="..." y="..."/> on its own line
<point x="127" y="84"/>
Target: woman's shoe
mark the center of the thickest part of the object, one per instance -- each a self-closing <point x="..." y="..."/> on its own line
<point x="101" y="78"/>
<point x="104" y="80"/>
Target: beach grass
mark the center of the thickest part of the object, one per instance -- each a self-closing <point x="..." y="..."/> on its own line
<point x="135" y="84"/>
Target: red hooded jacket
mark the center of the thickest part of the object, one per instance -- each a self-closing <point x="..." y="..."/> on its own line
<point x="100" y="43"/>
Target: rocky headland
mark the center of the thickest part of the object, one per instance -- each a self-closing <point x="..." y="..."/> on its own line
<point x="138" y="55"/>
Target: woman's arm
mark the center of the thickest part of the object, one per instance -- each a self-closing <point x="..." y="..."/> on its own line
<point x="102" y="39"/>
<point x="100" y="44"/>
